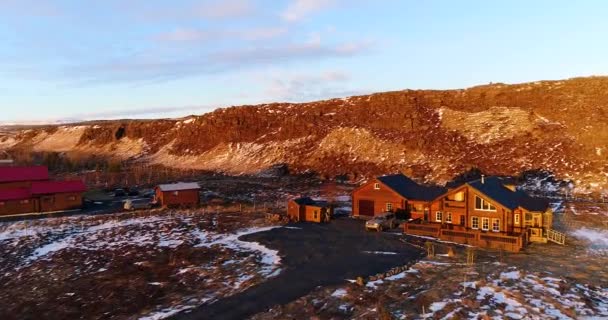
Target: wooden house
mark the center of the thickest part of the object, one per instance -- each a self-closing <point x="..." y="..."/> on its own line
<point x="307" y="209"/>
<point x="29" y="190"/>
<point x="393" y="193"/>
<point x="181" y="194"/>
<point x="489" y="212"/>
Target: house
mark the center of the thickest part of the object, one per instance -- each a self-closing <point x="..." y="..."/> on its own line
<point x="181" y="194"/>
<point x="29" y="190"/>
<point x="307" y="209"/>
<point x="394" y="193"/>
<point x="488" y="212"/>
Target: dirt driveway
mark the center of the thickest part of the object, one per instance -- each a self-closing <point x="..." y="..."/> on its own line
<point x="313" y="255"/>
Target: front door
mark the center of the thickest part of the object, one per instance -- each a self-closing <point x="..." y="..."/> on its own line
<point x="366" y="207"/>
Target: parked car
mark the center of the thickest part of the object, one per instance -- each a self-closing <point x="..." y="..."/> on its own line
<point x="381" y="222"/>
<point x="133" y="192"/>
<point x="119" y="192"/>
<point x="136" y="205"/>
<point x="149" y="194"/>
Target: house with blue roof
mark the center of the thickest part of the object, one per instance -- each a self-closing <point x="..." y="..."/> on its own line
<point x="488" y="212"/>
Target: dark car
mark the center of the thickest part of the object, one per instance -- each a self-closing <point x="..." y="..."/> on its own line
<point x="119" y="193"/>
<point x="133" y="192"/>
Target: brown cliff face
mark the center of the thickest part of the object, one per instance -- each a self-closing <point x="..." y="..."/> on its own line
<point x="559" y="126"/>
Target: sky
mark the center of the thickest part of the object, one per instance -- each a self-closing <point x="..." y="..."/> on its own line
<point x="71" y="60"/>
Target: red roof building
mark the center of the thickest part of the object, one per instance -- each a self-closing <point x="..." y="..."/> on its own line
<point x="51" y="187"/>
<point x="20" y="174"/>
<point x="29" y="190"/>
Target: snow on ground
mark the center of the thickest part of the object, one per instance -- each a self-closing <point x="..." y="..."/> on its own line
<point x="269" y="258"/>
<point x="44" y="245"/>
<point x="598" y="238"/>
<point x="516" y="294"/>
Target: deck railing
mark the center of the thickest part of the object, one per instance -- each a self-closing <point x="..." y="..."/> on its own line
<point x="460" y="234"/>
<point x="556" y="236"/>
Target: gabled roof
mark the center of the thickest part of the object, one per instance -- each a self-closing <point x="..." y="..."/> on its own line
<point x="15" y="194"/>
<point x="50" y="187"/>
<point x="409" y="189"/>
<point x="494" y="187"/>
<point x="307" y="201"/>
<point x="15" y="174"/>
<point x="180" y="186"/>
<point x="304" y="201"/>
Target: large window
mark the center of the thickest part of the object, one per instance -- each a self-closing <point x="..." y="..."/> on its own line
<point x="376" y="186"/>
<point x="475" y="222"/>
<point x="496" y="225"/>
<point x="459" y="196"/>
<point x="483" y="205"/>
<point x="448" y="217"/>
<point x="389" y="206"/>
<point x="485" y="224"/>
<point x="438" y="216"/>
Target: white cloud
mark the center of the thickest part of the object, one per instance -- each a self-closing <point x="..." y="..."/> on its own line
<point x="197" y="35"/>
<point x="299" y="9"/>
<point x="224" y="9"/>
<point x="148" y="67"/>
<point x="299" y="87"/>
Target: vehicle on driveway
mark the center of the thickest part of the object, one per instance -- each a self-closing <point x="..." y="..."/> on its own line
<point x="137" y="205"/>
<point x="119" y="193"/>
<point x="381" y="222"/>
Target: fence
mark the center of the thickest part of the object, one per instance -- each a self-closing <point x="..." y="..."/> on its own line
<point x="458" y="234"/>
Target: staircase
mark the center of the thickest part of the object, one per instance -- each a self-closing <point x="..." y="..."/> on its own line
<point x="556" y="236"/>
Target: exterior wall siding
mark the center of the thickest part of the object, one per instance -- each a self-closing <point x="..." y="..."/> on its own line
<point x="187" y="198"/>
<point x="17" y="207"/>
<point x="380" y="197"/>
<point x="13" y="185"/>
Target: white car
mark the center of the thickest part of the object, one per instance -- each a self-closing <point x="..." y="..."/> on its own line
<point x="381" y="222"/>
<point x="133" y="205"/>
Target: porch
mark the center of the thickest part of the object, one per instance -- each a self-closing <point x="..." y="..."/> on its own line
<point x="513" y="242"/>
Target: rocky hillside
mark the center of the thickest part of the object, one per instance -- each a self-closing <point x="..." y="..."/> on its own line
<point x="559" y="126"/>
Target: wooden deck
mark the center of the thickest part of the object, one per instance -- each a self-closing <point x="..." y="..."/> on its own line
<point x="459" y="234"/>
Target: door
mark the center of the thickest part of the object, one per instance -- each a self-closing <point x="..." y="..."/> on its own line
<point x="366" y="207"/>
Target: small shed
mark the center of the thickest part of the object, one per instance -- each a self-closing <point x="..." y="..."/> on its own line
<point x="181" y="194"/>
<point x="307" y="209"/>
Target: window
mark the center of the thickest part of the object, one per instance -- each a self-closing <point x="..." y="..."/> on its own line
<point x="459" y="196"/>
<point x="26" y="201"/>
<point x="496" y="225"/>
<point x="448" y="217"/>
<point x="1" y="204"/>
<point x="389" y="206"/>
<point x="517" y="218"/>
<point x="485" y="224"/>
<point x="376" y="186"/>
<point x="176" y="193"/>
<point x="438" y="216"/>
<point x="483" y="205"/>
<point x="462" y="220"/>
<point x="72" y="198"/>
<point x="475" y="222"/>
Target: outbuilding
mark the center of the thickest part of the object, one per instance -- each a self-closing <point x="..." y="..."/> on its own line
<point x="29" y="190"/>
<point x="307" y="209"/>
<point x="181" y="194"/>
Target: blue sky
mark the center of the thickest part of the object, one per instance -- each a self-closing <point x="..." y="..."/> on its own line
<point x="76" y="59"/>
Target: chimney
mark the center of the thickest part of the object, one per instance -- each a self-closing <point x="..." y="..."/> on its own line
<point x="483" y="179"/>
